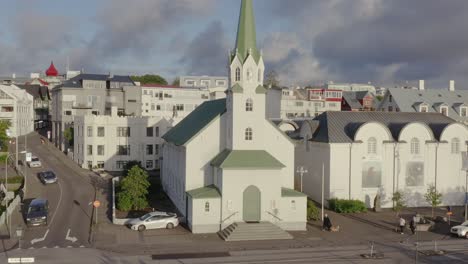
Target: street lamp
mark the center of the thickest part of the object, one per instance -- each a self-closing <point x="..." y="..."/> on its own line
<point x="8" y="222"/>
<point x="301" y="171"/>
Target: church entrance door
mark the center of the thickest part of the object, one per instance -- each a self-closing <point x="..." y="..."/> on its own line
<point x="252" y="206"/>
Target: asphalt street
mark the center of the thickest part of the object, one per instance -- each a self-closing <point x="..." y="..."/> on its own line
<point x="70" y="208"/>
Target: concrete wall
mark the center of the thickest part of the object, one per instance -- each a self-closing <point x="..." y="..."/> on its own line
<point x="203" y="221"/>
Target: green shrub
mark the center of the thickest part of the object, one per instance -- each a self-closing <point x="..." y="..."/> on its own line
<point x="313" y="213"/>
<point x="347" y="206"/>
<point x="133" y="191"/>
<point x="16" y="179"/>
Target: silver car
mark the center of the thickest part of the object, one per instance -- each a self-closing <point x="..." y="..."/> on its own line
<point x="47" y="177"/>
<point x="35" y="162"/>
<point x="154" y="220"/>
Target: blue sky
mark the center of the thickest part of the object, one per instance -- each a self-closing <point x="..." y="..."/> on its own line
<point x="305" y="41"/>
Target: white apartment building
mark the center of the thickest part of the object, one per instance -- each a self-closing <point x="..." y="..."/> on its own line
<point x="16" y="106"/>
<point x="110" y="142"/>
<point x="170" y="101"/>
<point x="217" y="85"/>
<point x="351" y="87"/>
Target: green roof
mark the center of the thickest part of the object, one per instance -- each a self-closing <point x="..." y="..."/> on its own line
<point x="246" y="159"/>
<point x="261" y="90"/>
<point x="285" y="192"/>
<point x="246" y="33"/>
<point x="237" y="88"/>
<point x="205" y="192"/>
<point x="195" y="122"/>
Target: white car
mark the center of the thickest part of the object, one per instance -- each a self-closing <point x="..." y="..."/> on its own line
<point x="460" y="230"/>
<point x="154" y="220"/>
<point x="35" y="162"/>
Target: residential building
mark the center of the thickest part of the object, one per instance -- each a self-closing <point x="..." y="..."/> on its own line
<point x="171" y="101"/>
<point x="41" y="105"/>
<point x="16" y="106"/>
<point x="450" y="102"/>
<point x="217" y="85"/>
<point x="285" y="103"/>
<point x="109" y="142"/>
<point x="219" y="164"/>
<point x="359" y="101"/>
<point x="91" y="94"/>
<point x="365" y="154"/>
<point x="351" y="87"/>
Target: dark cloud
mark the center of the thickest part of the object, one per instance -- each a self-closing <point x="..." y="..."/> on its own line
<point x="207" y="54"/>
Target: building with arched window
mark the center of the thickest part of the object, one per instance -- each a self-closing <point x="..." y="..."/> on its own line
<point x="236" y="165"/>
<point x="378" y="153"/>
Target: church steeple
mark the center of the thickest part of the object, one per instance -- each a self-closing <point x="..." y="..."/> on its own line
<point x="246" y="42"/>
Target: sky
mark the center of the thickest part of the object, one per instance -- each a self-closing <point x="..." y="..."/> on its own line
<point x="307" y="42"/>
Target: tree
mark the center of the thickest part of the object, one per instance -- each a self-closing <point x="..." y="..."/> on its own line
<point x="133" y="190"/>
<point x="272" y="79"/>
<point x="433" y="197"/>
<point x="130" y="165"/>
<point x="150" y="79"/>
<point x="176" y="82"/>
<point x="4" y="138"/>
<point x="69" y="135"/>
<point x="398" y="202"/>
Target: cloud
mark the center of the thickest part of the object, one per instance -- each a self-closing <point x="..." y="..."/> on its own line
<point x="207" y="53"/>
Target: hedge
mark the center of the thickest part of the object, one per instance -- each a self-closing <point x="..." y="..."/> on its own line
<point x="313" y="213"/>
<point x="347" y="206"/>
<point x="15" y="179"/>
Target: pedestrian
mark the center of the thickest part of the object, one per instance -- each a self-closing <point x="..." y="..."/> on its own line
<point x="402" y="225"/>
<point x="327" y="225"/>
<point x="412" y="225"/>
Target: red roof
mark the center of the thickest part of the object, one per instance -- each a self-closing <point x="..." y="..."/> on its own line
<point x="43" y="82"/>
<point x="52" y="71"/>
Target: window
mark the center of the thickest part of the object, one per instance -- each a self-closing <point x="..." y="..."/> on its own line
<point x="90" y="164"/>
<point x="179" y="107"/>
<point x="156" y="149"/>
<point x="220" y="83"/>
<point x="100" y="132"/>
<point x="121" y="164"/>
<point x="123" y="150"/>
<point x="293" y="204"/>
<point x="157" y="131"/>
<point x="248" y="134"/>
<point x="123" y="132"/>
<point x="372" y="146"/>
<point x="145" y="92"/>
<point x="415" y="146"/>
<point x="444" y="110"/>
<point x="149" y="164"/>
<point x="249" y="74"/>
<point x="238" y="74"/>
<point x="68" y="113"/>
<point x="455" y="146"/>
<point x="390" y="98"/>
<point x="423" y="109"/>
<point x="90" y="131"/>
<point x="249" y="105"/>
<point x="463" y="111"/>
<point x="149" y="131"/>
<point x="96" y="113"/>
<point x="158" y="107"/>
<point x="90" y="149"/>
<point x="100" y="150"/>
<point x="149" y="149"/>
<point x="7" y="108"/>
<point x="390" y="108"/>
<point x="207" y="207"/>
<point x="100" y="164"/>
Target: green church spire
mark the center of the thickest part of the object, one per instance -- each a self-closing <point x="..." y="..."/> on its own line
<point x="246" y="34"/>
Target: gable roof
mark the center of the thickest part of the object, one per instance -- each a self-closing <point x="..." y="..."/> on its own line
<point x="341" y="127"/>
<point x="406" y="99"/>
<point x="195" y="122"/>
<point x="205" y="192"/>
<point x="246" y="159"/>
<point x="351" y="100"/>
<point x="285" y="192"/>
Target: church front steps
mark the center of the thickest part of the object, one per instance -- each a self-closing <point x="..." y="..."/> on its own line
<point x="254" y="231"/>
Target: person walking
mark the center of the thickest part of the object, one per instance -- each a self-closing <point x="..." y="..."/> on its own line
<point x="412" y="225"/>
<point x="402" y="225"/>
<point x="327" y="225"/>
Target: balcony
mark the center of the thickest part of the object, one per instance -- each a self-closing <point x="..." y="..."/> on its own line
<point x="76" y="105"/>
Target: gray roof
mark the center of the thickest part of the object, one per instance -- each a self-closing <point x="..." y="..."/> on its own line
<point x="341" y="127"/>
<point x="75" y="81"/>
<point x="37" y="91"/>
<point x="351" y="100"/>
<point x="408" y="100"/>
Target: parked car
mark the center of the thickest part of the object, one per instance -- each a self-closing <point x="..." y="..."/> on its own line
<point x="154" y="220"/>
<point x="38" y="211"/>
<point x="47" y="177"/>
<point x="460" y="230"/>
<point x="35" y="162"/>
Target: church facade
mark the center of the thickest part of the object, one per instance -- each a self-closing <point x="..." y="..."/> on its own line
<point x="225" y="162"/>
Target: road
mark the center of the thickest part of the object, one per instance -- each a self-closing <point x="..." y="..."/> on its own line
<point x="69" y="201"/>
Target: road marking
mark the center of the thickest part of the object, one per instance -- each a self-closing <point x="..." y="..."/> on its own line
<point x="58" y="205"/>
<point x="20" y="260"/>
<point x="69" y="238"/>
<point x="40" y="239"/>
<point x="56" y="247"/>
<point x="81" y="246"/>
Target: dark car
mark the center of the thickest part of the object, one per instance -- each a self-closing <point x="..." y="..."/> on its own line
<point x="38" y="211"/>
<point x="47" y="177"/>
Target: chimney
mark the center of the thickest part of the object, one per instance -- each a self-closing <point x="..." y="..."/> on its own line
<point x="421" y="85"/>
<point x="452" y="86"/>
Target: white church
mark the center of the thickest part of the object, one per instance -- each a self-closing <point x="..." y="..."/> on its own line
<point x="226" y="163"/>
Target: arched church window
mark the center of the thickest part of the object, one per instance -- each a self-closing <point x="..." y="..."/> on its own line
<point x="455" y="146"/>
<point x="249" y="105"/>
<point x="248" y="134"/>
<point x="207" y="207"/>
<point x="415" y="149"/>
<point x="238" y="74"/>
<point x="372" y="146"/>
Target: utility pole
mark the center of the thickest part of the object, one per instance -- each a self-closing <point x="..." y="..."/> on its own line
<point x="301" y="171"/>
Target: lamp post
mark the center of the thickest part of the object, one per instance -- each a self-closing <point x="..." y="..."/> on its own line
<point x="301" y="171"/>
<point x="8" y="222"/>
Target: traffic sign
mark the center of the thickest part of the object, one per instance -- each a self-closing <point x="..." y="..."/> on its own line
<point x="96" y="204"/>
<point x="28" y="156"/>
<point x="449" y="213"/>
